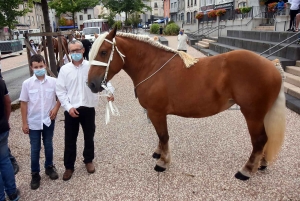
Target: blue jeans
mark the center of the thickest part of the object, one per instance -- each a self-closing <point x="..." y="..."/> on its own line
<point x="35" y="141"/>
<point x="7" y="178"/>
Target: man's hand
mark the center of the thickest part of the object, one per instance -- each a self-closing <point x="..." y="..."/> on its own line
<point x="73" y="112"/>
<point x="25" y="128"/>
<point x="111" y="98"/>
<point x="53" y="113"/>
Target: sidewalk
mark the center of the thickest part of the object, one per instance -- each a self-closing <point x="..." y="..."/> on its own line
<point x="12" y="62"/>
<point x="206" y="153"/>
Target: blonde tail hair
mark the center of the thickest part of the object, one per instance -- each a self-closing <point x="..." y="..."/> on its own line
<point x="274" y="123"/>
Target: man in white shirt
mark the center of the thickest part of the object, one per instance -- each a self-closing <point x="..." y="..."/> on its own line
<point x="34" y="48"/>
<point x="182" y="41"/>
<point x="39" y="109"/>
<point x="79" y="103"/>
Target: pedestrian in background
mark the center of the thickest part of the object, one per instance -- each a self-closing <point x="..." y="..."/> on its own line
<point x="39" y="109"/>
<point x="34" y="48"/>
<point x="161" y="30"/>
<point x="182" y="41"/>
<point x="87" y="46"/>
<point x="294" y="10"/>
<point x="7" y="176"/>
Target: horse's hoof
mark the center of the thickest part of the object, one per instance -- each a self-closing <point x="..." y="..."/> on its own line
<point x="156" y="155"/>
<point x="240" y="176"/>
<point x="159" y="169"/>
<point x="262" y="167"/>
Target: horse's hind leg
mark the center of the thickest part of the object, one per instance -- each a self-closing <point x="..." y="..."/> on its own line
<point x="162" y="152"/>
<point x="258" y="139"/>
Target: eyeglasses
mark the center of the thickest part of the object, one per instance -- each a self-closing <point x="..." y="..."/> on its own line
<point x="76" y="51"/>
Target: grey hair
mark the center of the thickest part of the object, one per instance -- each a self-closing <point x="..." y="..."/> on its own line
<point x="72" y="42"/>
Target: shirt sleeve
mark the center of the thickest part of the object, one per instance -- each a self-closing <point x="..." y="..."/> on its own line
<point x="61" y="92"/>
<point x="24" y="93"/>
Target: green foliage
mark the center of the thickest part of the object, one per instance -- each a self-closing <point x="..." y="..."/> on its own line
<point x="135" y="19"/>
<point x="62" y="21"/>
<point x="127" y="6"/>
<point x="170" y="22"/>
<point x="245" y="9"/>
<point x="9" y="12"/>
<point x="72" y="6"/>
<point x="110" y="18"/>
<point x="172" y="29"/>
<point x="154" y="29"/>
<point x="118" y="24"/>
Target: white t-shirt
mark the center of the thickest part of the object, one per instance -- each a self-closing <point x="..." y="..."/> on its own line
<point x="182" y="42"/>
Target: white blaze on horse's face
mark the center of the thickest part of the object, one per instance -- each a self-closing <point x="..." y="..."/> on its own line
<point x="96" y="51"/>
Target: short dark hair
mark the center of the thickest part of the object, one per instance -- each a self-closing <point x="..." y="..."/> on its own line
<point x="36" y="58"/>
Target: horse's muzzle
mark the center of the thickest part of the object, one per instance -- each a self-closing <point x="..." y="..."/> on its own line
<point x="95" y="86"/>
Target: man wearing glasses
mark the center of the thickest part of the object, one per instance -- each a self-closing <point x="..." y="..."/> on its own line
<point x="79" y="103"/>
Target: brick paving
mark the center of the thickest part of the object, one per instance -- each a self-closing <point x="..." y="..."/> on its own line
<point x="12" y="62"/>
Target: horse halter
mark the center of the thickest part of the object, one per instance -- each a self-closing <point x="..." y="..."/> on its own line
<point x="99" y="63"/>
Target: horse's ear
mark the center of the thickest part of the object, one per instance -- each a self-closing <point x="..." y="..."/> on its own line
<point x="112" y="33"/>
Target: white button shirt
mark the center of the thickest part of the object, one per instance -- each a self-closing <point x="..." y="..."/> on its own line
<point x="40" y="98"/>
<point x="71" y="88"/>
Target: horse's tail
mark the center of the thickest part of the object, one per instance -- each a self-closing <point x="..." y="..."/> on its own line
<point x="274" y="123"/>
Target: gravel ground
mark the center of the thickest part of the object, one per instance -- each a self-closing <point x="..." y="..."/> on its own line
<point x="206" y="153"/>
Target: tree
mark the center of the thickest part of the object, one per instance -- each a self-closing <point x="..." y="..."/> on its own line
<point x="9" y="13"/>
<point x="71" y="6"/>
<point x="49" y="38"/>
<point x="127" y="6"/>
<point x="110" y="18"/>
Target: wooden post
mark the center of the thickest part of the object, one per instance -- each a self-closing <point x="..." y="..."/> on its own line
<point x="28" y="55"/>
<point x="60" y="52"/>
<point x="45" y="51"/>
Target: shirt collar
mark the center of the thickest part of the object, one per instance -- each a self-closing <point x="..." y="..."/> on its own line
<point x="35" y="78"/>
<point x="82" y="63"/>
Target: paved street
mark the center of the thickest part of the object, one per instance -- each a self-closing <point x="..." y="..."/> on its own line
<point x="206" y="153"/>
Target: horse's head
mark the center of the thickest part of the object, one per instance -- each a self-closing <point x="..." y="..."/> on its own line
<point x="105" y="59"/>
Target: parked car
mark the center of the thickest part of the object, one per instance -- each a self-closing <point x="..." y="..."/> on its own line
<point x="140" y="25"/>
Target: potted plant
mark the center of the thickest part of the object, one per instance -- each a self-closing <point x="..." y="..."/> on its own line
<point x="212" y="14"/>
<point x="238" y="11"/>
<point x="199" y="15"/>
<point x="245" y="9"/>
<point x="220" y="12"/>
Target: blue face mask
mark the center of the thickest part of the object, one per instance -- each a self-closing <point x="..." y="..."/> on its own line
<point x="181" y="32"/>
<point x="76" y="56"/>
<point x="39" y="72"/>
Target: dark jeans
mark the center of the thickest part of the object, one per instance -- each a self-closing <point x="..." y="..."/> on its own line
<point x="87" y="120"/>
<point x="35" y="141"/>
<point x="7" y="175"/>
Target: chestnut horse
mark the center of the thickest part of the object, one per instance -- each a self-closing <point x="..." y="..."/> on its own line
<point x="55" y="46"/>
<point x="172" y="82"/>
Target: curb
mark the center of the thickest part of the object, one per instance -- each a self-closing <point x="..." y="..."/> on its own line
<point x="15" y="68"/>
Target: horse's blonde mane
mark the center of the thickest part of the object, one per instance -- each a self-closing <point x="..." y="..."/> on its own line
<point x="187" y="59"/>
<point x="279" y="68"/>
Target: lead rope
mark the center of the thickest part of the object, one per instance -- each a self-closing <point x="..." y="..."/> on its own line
<point x="110" y="106"/>
<point x="154" y="72"/>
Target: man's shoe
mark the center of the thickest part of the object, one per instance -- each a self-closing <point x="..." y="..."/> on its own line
<point x="35" y="181"/>
<point x="90" y="167"/>
<point x="51" y="172"/>
<point x="15" y="196"/>
<point x="68" y="174"/>
<point x="15" y="166"/>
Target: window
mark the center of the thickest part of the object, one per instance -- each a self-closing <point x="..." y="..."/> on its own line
<point x="89" y="17"/>
<point x="188" y="3"/>
<point x="32" y="20"/>
<point x="155" y="5"/>
<point x="242" y="5"/>
<point x="21" y="6"/>
<point x="171" y="5"/>
<point x="188" y="17"/>
<point x="85" y="11"/>
<point x="175" y="5"/>
<point x="195" y="3"/>
<point x="25" y="5"/>
<point x="80" y="17"/>
<point x="28" y="19"/>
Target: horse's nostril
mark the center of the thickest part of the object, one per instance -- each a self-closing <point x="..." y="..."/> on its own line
<point x="92" y="85"/>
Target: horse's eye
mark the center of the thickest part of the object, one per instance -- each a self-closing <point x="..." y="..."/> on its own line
<point x="103" y="53"/>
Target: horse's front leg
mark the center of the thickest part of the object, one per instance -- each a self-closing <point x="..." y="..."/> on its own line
<point x="162" y="153"/>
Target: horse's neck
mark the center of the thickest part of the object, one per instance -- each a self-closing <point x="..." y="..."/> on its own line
<point x="140" y="58"/>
